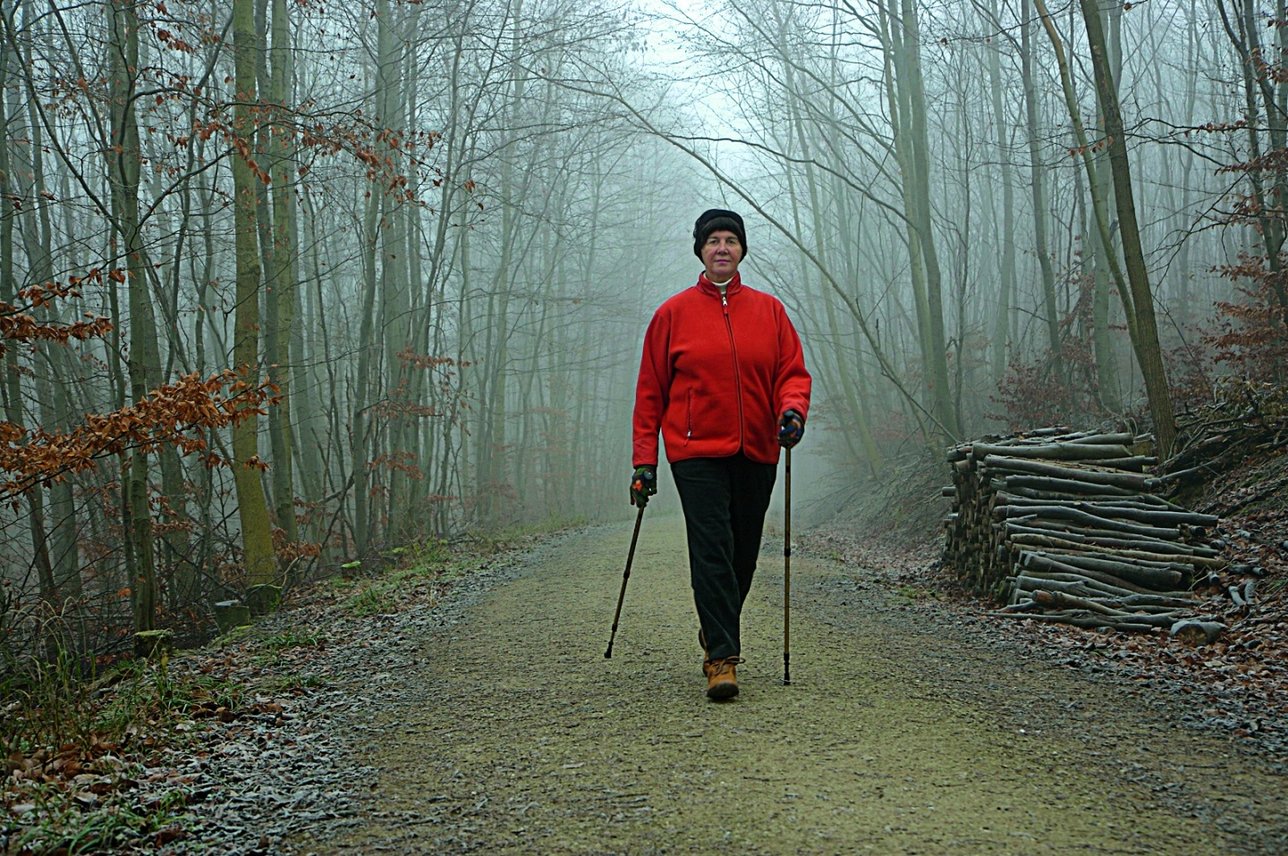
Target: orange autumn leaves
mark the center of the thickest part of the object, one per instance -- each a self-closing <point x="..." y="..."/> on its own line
<point x="179" y="413"/>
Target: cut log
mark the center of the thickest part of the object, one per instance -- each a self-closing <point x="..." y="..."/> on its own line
<point x="1090" y="582"/>
<point x="1075" y="515"/>
<point x="1024" y="496"/>
<point x="1136" y="463"/>
<point x="1098" y="539"/>
<point x="1197" y="632"/>
<point x="230" y="614"/>
<point x="1122" y="438"/>
<point x="1080" y="588"/>
<point x="1122" y="511"/>
<point x="1082" y="620"/>
<point x="1117" y="565"/>
<point x="1055" y="451"/>
<point x="1072" y="488"/>
<point x="1055" y="543"/>
<point x="1029" y="582"/>
<point x="1115" y="478"/>
<point x="1171" y="600"/>
<point x="153" y="643"/>
<point x="1058" y="599"/>
<point x="1029" y="561"/>
<point x="1150" y="579"/>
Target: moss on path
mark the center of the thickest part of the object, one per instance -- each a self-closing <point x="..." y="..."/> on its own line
<point x="515" y="735"/>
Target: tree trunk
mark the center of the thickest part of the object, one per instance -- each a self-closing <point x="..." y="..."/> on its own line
<point x="1106" y="363"/>
<point x="1000" y="351"/>
<point x="395" y="317"/>
<point x="13" y="377"/>
<point x="252" y="506"/>
<point x="1148" y="351"/>
<point x="848" y="381"/>
<point x="937" y="370"/>
<point x="908" y="114"/>
<point x="358" y="442"/>
<point x="306" y="367"/>
<point x="1037" y="183"/>
<point x="123" y="172"/>
<point x="282" y="293"/>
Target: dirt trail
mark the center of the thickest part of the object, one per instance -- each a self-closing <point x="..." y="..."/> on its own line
<point x="513" y="734"/>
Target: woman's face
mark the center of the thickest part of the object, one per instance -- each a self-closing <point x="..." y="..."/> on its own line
<point x="721" y="254"/>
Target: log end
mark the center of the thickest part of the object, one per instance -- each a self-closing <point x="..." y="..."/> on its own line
<point x="1196" y="632"/>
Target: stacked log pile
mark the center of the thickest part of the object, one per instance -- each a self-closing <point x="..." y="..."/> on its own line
<point x="1065" y="526"/>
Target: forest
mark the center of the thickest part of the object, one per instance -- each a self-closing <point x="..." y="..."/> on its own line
<point x="288" y="285"/>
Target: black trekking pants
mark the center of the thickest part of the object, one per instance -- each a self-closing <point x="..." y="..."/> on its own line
<point x="724" y="500"/>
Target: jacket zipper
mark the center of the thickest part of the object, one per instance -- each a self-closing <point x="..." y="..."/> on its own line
<point x="737" y="375"/>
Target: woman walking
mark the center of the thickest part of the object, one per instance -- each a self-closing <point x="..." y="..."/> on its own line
<point x="723" y="379"/>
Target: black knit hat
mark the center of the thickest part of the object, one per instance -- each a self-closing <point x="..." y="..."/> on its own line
<point x="718" y="218"/>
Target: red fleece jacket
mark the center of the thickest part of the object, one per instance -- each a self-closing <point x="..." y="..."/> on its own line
<point x="717" y="374"/>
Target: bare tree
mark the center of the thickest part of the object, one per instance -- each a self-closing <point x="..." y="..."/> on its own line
<point x="252" y="506"/>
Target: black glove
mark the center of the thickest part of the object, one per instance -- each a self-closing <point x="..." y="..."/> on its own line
<point x="791" y="428"/>
<point x="643" y="485"/>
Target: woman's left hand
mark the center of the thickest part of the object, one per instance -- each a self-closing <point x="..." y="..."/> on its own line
<point x="791" y="428"/>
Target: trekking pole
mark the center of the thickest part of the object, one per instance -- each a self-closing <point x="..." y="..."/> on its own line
<point x="630" y="556"/>
<point x="787" y="574"/>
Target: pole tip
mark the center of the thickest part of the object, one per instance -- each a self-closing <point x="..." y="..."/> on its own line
<point x="608" y="655"/>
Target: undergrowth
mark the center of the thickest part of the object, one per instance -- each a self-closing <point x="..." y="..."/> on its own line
<point x="65" y="737"/>
<point x="383" y="584"/>
<point x="77" y="740"/>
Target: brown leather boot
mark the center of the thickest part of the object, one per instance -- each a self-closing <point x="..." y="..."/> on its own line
<point x="722" y="679"/>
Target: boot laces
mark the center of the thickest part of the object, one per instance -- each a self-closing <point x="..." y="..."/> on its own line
<point x="725" y="664"/>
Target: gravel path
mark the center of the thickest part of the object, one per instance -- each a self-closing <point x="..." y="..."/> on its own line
<point x="492" y="723"/>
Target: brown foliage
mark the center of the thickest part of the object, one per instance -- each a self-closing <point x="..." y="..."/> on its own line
<point x="1057" y="389"/>
<point x="1252" y="334"/>
<point x="17" y="324"/>
<point x="177" y="413"/>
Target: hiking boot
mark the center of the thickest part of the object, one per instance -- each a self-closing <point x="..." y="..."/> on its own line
<point x="722" y="679"/>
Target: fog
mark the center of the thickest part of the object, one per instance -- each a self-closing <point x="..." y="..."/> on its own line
<point x="438" y="230"/>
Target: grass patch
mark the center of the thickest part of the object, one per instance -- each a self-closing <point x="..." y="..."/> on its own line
<point x="373" y="600"/>
<point x="294" y="638"/>
<point x="403" y="582"/>
<point x="916" y="593"/>
<point x="69" y="739"/>
<point x="138" y="692"/>
<point x="503" y="537"/>
<point x="47" y="704"/>
<point x="56" y="708"/>
<point x="272" y="650"/>
<point x="53" y="826"/>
